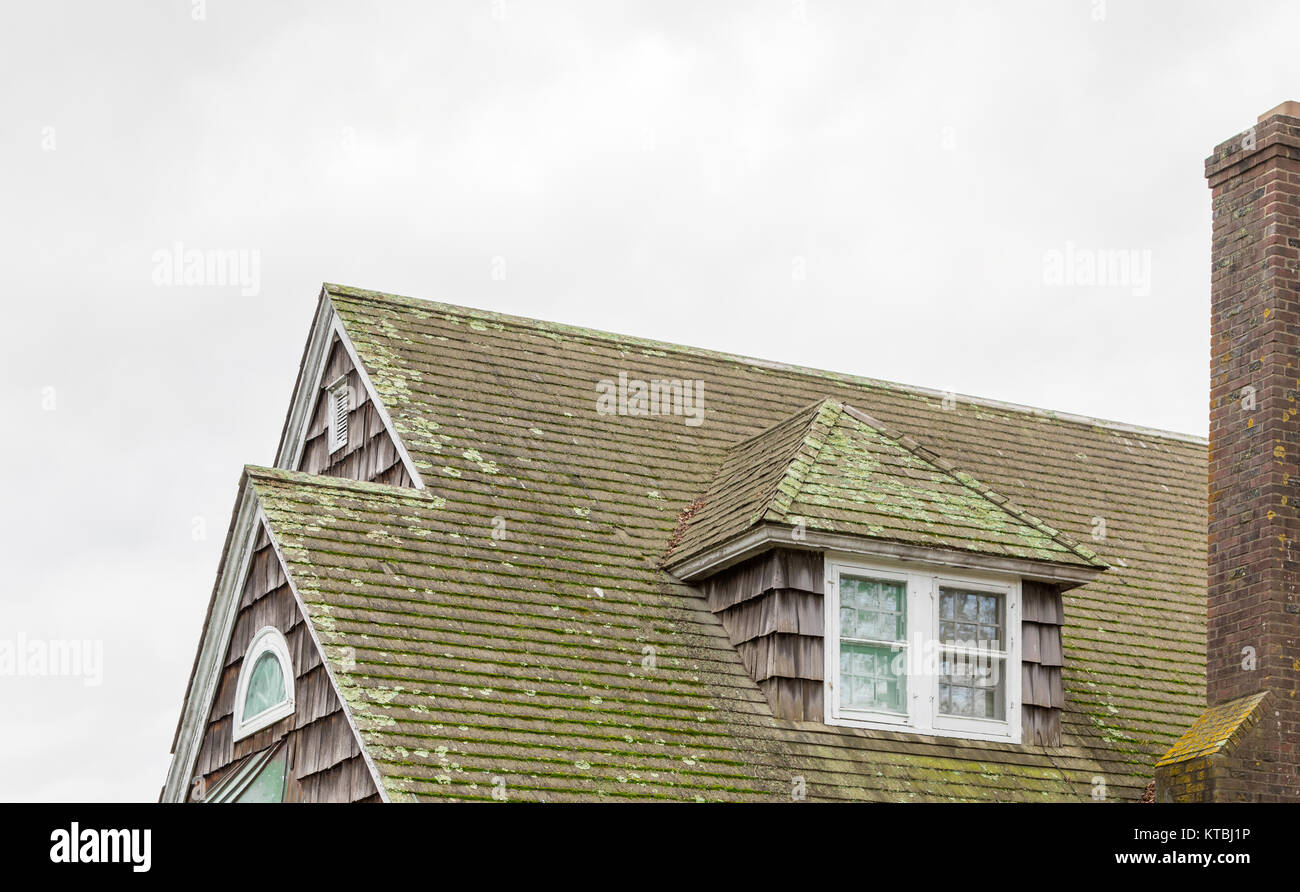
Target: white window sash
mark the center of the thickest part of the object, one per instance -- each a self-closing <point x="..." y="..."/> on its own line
<point x="922" y="701"/>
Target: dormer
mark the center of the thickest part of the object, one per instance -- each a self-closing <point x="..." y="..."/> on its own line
<point x="867" y="582"/>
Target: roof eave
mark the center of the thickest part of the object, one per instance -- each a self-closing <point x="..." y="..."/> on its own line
<point x="699" y="565"/>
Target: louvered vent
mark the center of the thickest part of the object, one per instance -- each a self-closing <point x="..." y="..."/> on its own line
<point x="338" y="397"/>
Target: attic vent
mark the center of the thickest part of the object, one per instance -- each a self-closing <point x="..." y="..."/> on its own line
<point x="338" y="420"/>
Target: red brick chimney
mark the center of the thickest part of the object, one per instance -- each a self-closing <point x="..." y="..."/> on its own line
<point x="1247" y="745"/>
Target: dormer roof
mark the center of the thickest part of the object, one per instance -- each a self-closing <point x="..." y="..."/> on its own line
<point x="830" y="468"/>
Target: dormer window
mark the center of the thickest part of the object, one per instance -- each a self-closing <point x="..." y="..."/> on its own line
<point x="265" y="691"/>
<point x="929" y="651"/>
<point x="866" y="581"/>
<point x="338" y="407"/>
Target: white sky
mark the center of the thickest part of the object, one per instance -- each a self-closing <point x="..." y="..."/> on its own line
<point x="657" y="168"/>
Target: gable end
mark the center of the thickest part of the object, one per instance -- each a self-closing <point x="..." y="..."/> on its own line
<point x="326" y="759"/>
<point x="373" y="451"/>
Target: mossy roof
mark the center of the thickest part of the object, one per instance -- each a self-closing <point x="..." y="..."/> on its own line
<point x="835" y="469"/>
<point x="525" y="656"/>
<point x="1218" y="728"/>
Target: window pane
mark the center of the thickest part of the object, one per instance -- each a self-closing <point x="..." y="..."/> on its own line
<point x="868" y="677"/>
<point x="873" y="609"/>
<point x="972" y="619"/>
<point x="268" y="786"/>
<point x="265" y="686"/>
<point x="972" y="685"/>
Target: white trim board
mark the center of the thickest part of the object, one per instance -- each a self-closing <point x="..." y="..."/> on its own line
<point x="769" y="535"/>
<point x="217" y="629"/>
<point x="293" y="440"/>
<point x="231" y="578"/>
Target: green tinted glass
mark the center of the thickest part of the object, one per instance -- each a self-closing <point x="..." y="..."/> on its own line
<point x="871" y="677"/>
<point x="265" y="686"/>
<point x="268" y="786"/>
<point x="872" y="609"/>
<point x="873" y="644"/>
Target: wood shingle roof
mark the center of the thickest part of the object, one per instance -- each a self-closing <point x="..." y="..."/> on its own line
<point x="511" y="623"/>
<point x="830" y="467"/>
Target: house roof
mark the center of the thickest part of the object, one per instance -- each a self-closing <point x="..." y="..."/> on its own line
<point x="831" y="467"/>
<point x="525" y="656"/>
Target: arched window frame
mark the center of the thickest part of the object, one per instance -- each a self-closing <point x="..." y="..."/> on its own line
<point x="267" y="640"/>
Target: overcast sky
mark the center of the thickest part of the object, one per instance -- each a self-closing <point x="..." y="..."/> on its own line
<point x="884" y="189"/>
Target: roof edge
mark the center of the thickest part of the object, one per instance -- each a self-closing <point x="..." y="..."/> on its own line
<point x="936" y="460"/>
<point x="257" y="473"/>
<point x="763" y="537"/>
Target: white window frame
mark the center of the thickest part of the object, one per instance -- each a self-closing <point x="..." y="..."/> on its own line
<point x="338" y="429"/>
<point x="267" y="640"/>
<point x="923" y="583"/>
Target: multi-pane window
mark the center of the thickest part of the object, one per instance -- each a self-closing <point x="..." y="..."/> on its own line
<point x="873" y="637"/>
<point x="972" y="638"/>
<point x="934" y="652"/>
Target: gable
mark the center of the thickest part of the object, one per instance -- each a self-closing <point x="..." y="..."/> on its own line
<point x="253" y="591"/>
<point x="372" y="449"/>
<point x="324" y="759"/>
<point x="370" y="452"/>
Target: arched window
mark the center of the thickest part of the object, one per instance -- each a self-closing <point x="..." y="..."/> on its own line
<point x="265" y="691"/>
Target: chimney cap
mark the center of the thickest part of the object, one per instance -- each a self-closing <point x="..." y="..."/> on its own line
<point x="1290" y="108"/>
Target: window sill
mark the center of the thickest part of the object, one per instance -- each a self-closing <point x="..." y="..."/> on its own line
<point x="968" y="729"/>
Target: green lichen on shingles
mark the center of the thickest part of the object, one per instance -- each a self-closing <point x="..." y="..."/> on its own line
<point x="848" y="477"/>
<point x="434" y="339"/>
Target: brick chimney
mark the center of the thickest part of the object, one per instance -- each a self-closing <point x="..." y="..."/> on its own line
<point x="1247" y="745"/>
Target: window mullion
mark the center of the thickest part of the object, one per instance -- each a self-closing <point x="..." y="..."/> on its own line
<point x="931" y="631"/>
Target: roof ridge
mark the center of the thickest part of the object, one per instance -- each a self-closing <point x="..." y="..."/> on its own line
<point x="933" y="458"/>
<point x="784" y="419"/>
<point x="781" y="502"/>
<point x="913" y="389"/>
